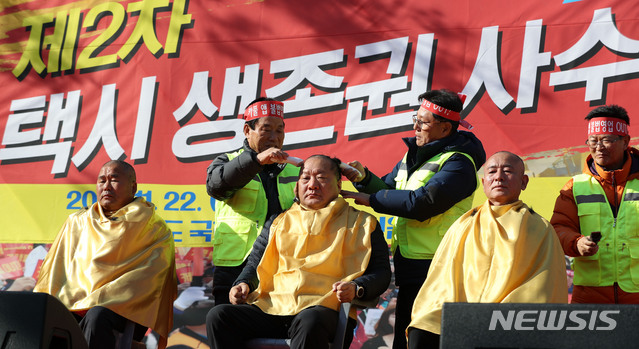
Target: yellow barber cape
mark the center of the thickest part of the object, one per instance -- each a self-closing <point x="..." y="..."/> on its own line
<point x="125" y="263"/>
<point x="307" y="252"/>
<point x="500" y="254"/>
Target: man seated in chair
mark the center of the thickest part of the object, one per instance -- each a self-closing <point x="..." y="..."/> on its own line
<point x="500" y="252"/>
<point x="114" y="262"/>
<point x="316" y="255"/>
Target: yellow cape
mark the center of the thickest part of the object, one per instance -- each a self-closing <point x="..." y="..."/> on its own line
<point x="125" y="263"/>
<point x="308" y="251"/>
<point x="493" y="254"/>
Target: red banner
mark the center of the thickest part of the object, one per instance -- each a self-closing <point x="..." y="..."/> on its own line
<point x="163" y="84"/>
<point x="183" y="270"/>
<point x="10" y="268"/>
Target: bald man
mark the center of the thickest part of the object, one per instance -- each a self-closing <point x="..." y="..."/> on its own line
<point x="482" y="258"/>
<point x="114" y="262"/>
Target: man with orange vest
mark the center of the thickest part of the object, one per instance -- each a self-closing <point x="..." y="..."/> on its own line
<point x="603" y="203"/>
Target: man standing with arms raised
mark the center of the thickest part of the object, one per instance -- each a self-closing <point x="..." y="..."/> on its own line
<point x="427" y="190"/>
<point x="249" y="185"/>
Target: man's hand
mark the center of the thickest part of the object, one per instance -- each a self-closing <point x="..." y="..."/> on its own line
<point x="271" y="156"/>
<point x="345" y="291"/>
<point x="354" y="176"/>
<point x="586" y="247"/>
<point x="183" y="286"/>
<point x="239" y="293"/>
<point x="24" y="283"/>
<point x="360" y="198"/>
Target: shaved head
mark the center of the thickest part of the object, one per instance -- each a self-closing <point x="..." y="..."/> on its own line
<point x="125" y="166"/>
<point x="504" y="178"/>
<point x="514" y="159"/>
<point x="116" y="186"/>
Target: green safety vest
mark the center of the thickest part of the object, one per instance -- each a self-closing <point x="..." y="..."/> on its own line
<point x="419" y="240"/>
<point x="239" y="219"/>
<point x="618" y="257"/>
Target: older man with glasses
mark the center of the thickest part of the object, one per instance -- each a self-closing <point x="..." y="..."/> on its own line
<point x="596" y="215"/>
<point x="427" y="190"/>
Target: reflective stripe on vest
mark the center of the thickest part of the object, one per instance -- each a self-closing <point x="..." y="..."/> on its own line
<point x="618" y="257"/>
<point x="239" y="219"/>
<point x="419" y="240"/>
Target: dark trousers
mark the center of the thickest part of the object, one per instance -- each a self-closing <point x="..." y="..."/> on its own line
<point x="229" y="326"/>
<point x="223" y="279"/>
<point x="410" y="275"/>
<point x="420" y="339"/>
<point x="98" y="325"/>
<point x="406" y="295"/>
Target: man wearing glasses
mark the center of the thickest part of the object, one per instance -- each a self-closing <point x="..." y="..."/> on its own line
<point x="427" y="190"/>
<point x="604" y="199"/>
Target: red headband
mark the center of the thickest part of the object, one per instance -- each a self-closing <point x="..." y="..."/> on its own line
<point x="597" y="126"/>
<point x="440" y="111"/>
<point x="263" y="109"/>
<point x="447" y="113"/>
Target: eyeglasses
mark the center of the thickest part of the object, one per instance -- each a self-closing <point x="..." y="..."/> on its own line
<point x="604" y="142"/>
<point x="421" y="124"/>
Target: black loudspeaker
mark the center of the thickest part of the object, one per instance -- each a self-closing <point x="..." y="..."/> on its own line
<point x="39" y="321"/>
<point x="519" y="325"/>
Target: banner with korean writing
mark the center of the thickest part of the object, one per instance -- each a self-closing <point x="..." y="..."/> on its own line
<point x="162" y="84"/>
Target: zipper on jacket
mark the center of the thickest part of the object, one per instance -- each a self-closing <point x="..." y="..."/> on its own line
<point x="614" y="225"/>
<point x="614" y="188"/>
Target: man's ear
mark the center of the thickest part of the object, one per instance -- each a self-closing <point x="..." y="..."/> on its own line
<point x="295" y="191"/>
<point x="134" y="185"/>
<point x="447" y="127"/>
<point x="524" y="182"/>
<point x="626" y="141"/>
<point x="246" y="130"/>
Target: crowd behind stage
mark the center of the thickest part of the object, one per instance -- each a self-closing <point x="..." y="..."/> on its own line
<point x="19" y="265"/>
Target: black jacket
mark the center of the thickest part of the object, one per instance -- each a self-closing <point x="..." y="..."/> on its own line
<point x="375" y="280"/>
<point x="225" y="177"/>
<point x="456" y="180"/>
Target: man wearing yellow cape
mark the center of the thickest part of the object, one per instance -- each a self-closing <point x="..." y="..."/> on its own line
<point x="319" y="253"/>
<point x="500" y="252"/>
<point x="114" y="261"/>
